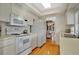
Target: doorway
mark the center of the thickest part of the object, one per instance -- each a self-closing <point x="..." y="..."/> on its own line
<point x="50" y="25"/>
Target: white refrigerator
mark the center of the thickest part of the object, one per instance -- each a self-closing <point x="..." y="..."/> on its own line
<point x="39" y="27"/>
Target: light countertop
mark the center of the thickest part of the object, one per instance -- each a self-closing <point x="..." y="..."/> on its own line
<point x="5" y="36"/>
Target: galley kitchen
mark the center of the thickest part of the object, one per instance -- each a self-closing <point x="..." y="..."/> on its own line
<point x="39" y="28"/>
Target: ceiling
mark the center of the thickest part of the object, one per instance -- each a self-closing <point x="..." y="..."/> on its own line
<point x="41" y="8"/>
<point x="55" y="8"/>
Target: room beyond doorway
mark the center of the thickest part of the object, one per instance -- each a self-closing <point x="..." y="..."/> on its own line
<point x="50" y="28"/>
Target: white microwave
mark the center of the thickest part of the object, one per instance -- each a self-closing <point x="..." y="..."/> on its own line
<point x="16" y="20"/>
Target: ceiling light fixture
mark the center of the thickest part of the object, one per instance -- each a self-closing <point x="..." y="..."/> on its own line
<point x="46" y="5"/>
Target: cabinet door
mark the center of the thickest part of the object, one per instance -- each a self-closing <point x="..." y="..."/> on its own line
<point x="70" y="18"/>
<point x="68" y="46"/>
<point x="15" y="9"/>
<point x="18" y="9"/>
<point x="8" y="46"/>
<point x="21" y="11"/>
<point x="5" y="10"/>
<point x="34" y="41"/>
<point x="9" y="50"/>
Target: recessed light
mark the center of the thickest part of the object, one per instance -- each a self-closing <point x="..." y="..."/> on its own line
<point x="46" y="5"/>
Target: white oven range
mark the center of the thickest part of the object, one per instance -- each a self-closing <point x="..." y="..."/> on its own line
<point x="23" y="45"/>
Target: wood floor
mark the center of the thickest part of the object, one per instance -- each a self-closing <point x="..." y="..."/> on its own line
<point x="49" y="48"/>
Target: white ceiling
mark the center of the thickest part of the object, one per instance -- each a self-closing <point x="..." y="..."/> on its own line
<point x="40" y="7"/>
<point x="55" y="8"/>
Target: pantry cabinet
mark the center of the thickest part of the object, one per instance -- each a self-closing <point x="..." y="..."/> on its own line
<point x="5" y="12"/>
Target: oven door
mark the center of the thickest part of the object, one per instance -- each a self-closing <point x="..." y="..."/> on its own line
<point x="26" y="42"/>
<point x="19" y="45"/>
<point x="22" y="44"/>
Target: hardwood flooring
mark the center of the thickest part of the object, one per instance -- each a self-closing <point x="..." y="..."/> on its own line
<point x="49" y="48"/>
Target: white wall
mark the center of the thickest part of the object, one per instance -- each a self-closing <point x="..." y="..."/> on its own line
<point x="60" y="25"/>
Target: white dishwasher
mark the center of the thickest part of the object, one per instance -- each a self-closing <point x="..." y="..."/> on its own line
<point x="23" y="45"/>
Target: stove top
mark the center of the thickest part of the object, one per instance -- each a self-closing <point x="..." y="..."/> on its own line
<point x="15" y="34"/>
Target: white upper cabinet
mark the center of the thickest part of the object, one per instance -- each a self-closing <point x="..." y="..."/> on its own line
<point x="5" y="11"/>
<point x="70" y="18"/>
<point x="17" y="9"/>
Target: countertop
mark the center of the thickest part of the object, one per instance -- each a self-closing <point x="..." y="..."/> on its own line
<point x="62" y="36"/>
<point x="5" y="36"/>
<point x="8" y="36"/>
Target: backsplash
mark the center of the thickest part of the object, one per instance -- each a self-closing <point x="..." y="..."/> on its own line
<point x="14" y="29"/>
<point x="7" y="29"/>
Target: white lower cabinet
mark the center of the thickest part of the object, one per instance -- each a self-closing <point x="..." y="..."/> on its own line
<point x="7" y="41"/>
<point x="69" y="46"/>
<point x="8" y="50"/>
<point x="7" y="46"/>
<point x="41" y="39"/>
<point x="34" y="40"/>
